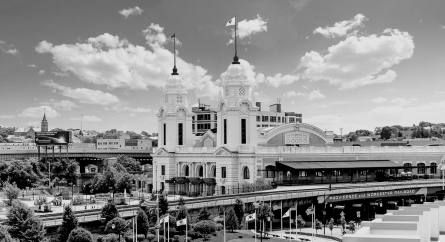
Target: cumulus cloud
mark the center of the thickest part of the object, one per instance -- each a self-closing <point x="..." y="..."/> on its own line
<point x="65" y="105"/>
<point x="341" y="28"/>
<point x="442" y="27"/>
<point x="299" y="4"/>
<point x="358" y="61"/>
<point x="262" y="97"/>
<point x="281" y="80"/>
<point x="381" y="116"/>
<point x="247" y="28"/>
<point x="41" y="72"/>
<point x="32" y="65"/>
<point x="315" y="94"/>
<point x="87" y="118"/>
<point x="37" y="112"/>
<point x="122" y="107"/>
<point x="131" y="11"/>
<point x="401" y="101"/>
<point x="84" y="95"/>
<point x="290" y="94"/>
<point x="114" y="62"/>
<point x="379" y="100"/>
<point x="7" y="116"/>
<point x="8" y="49"/>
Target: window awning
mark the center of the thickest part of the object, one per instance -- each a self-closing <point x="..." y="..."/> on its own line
<point x="321" y="165"/>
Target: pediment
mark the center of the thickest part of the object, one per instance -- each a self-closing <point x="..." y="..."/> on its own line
<point x="222" y="152"/>
<point x="161" y="152"/>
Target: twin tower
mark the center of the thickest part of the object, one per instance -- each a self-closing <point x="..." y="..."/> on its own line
<point x="236" y="114"/>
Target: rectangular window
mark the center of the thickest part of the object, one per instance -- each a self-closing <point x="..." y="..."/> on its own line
<point x="180" y="134"/>
<point x="243" y="131"/>
<point x="258" y="118"/>
<point x="273" y="119"/>
<point x="223" y="172"/>
<point x="302" y="173"/>
<point x="165" y="136"/>
<point x="193" y="126"/>
<point x="336" y="173"/>
<point x="225" y="131"/>
<point x="265" y="118"/>
<point x="319" y="173"/>
<point x="163" y="170"/>
<point x="291" y="120"/>
<point x="279" y="119"/>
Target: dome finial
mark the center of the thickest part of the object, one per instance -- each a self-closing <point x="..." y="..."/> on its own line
<point x="235" y="60"/>
<point x="175" y="70"/>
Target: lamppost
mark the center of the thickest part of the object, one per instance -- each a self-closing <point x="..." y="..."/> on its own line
<point x="111" y="191"/>
<point x="341" y="134"/>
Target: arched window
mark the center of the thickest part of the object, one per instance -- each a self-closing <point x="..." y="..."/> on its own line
<point x="200" y="171"/>
<point x="246" y="173"/>
<point x="213" y="169"/>
<point x="433" y="168"/>
<point x="407" y="165"/>
<point x="186" y="170"/>
<point x="421" y="168"/>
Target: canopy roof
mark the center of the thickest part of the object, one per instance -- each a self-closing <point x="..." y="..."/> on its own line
<point x="326" y="165"/>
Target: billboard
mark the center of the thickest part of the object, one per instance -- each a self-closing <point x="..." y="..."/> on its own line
<point x="131" y="142"/>
<point x="52" y="138"/>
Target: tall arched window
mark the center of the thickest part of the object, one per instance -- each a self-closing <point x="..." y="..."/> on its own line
<point x="421" y="168"/>
<point x="200" y="171"/>
<point x="213" y="169"/>
<point x="407" y="165"/>
<point x="433" y="168"/>
<point x="186" y="170"/>
<point x="246" y="173"/>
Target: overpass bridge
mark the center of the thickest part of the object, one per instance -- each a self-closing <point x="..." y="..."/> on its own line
<point x="74" y="153"/>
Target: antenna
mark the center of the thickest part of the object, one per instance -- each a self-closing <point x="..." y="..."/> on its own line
<point x="278" y="100"/>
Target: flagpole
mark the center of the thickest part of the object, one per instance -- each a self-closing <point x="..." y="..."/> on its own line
<point x="163" y="222"/>
<point x="255" y="225"/>
<point x="157" y="209"/>
<point x="186" y="231"/>
<point x="271" y="217"/>
<point x="224" y="226"/>
<point x="290" y="223"/>
<point x="296" y="221"/>
<point x="281" y="219"/>
<point x="133" y="229"/>
<point x="168" y="227"/>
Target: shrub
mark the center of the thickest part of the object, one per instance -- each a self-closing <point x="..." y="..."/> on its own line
<point x="111" y="238"/>
<point x="31" y="230"/>
<point x="40" y="201"/>
<point x="205" y="227"/>
<point x="5" y="236"/>
<point x="78" y="200"/>
<point x="80" y="235"/>
<point x="109" y="212"/>
<point x="175" y="239"/>
<point x="11" y="193"/>
<point x="192" y="234"/>
<point x="69" y="223"/>
<point x="219" y="227"/>
<point x="151" y="237"/>
<point x="120" y="226"/>
<point x="100" y="239"/>
<point x="140" y="237"/>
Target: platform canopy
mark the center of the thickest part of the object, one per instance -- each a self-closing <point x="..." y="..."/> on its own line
<point x="334" y="165"/>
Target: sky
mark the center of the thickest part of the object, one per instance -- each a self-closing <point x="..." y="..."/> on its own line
<point x="351" y="64"/>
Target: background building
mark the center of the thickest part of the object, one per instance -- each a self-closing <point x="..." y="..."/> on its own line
<point x="275" y="116"/>
<point x="123" y="142"/>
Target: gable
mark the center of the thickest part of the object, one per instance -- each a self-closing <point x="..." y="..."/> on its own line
<point x="222" y="152"/>
<point x="161" y="152"/>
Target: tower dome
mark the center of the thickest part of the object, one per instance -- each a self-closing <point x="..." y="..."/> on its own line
<point x="174" y="80"/>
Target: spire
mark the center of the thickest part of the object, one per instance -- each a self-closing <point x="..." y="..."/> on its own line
<point x="175" y="70"/>
<point x="44" y="115"/>
<point x="235" y="58"/>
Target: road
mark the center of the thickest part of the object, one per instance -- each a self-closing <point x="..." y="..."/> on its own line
<point x="51" y="222"/>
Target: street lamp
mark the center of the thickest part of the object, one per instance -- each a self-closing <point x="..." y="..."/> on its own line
<point x="341" y="134"/>
<point x="111" y="191"/>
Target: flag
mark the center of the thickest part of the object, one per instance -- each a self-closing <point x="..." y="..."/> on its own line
<point x="173" y="36"/>
<point x="231" y="22"/>
<point x="163" y="220"/>
<point x="251" y="217"/>
<point x="442" y="165"/>
<point x="256" y="204"/>
<point x="276" y="207"/>
<point x="181" y="222"/>
<point x="287" y="214"/>
<point x="310" y="210"/>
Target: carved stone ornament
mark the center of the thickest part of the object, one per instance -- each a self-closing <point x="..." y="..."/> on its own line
<point x="223" y="108"/>
<point x="180" y="114"/>
<point x="226" y="91"/>
<point x="222" y="180"/>
<point x="244" y="108"/>
<point x="162" y="178"/>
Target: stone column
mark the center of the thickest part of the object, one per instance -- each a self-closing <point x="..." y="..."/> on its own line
<point x="155" y="177"/>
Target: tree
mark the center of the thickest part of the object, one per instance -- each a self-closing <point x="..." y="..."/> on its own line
<point x="80" y="235"/>
<point x="331" y="225"/>
<point x="386" y="133"/>
<point x="22" y="174"/>
<point x="124" y="182"/>
<point x="129" y="163"/>
<point x="203" y="215"/>
<point x="65" y="169"/>
<point x="182" y="214"/>
<point x="69" y="222"/>
<point x="263" y="213"/>
<point x="23" y="224"/>
<point x="163" y="205"/>
<point x="11" y="192"/>
<point x="363" y="132"/>
<point x="205" y="227"/>
<point x="120" y="226"/>
<point x="143" y="224"/>
<point x="231" y="220"/>
<point x="377" y="130"/>
<point x="109" y="212"/>
<point x="145" y="134"/>
<point x="87" y="140"/>
<point x="5" y="236"/>
<point x="239" y="210"/>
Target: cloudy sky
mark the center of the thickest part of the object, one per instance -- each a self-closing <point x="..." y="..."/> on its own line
<point x="342" y="63"/>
